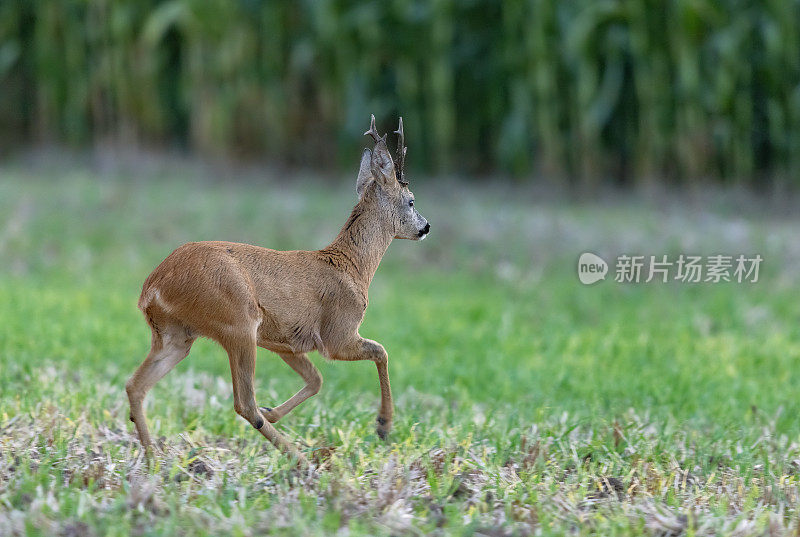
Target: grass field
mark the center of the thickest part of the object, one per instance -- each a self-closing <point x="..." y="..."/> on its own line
<point x="526" y="403"/>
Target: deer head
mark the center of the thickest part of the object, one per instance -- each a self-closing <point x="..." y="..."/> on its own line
<point x="381" y="182"/>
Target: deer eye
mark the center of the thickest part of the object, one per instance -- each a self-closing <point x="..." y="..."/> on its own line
<point x="410" y="203"/>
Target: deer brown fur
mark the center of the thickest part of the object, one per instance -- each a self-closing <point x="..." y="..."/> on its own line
<point x="290" y="302"/>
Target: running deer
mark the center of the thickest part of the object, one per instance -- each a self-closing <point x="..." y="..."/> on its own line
<point x="291" y="302"/>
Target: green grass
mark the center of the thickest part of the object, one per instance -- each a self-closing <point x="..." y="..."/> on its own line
<point x="525" y="401"/>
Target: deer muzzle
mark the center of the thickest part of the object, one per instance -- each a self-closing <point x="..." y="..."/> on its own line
<point x="424" y="232"/>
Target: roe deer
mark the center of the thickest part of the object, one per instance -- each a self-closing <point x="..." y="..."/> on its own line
<point x="291" y="302"/>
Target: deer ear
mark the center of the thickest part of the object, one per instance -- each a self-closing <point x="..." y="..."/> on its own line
<point x="364" y="172"/>
<point x="382" y="165"/>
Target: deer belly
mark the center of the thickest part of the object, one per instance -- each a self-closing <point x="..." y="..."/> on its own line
<point x="290" y="337"/>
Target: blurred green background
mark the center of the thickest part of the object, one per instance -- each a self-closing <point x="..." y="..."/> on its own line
<point x="578" y="93"/>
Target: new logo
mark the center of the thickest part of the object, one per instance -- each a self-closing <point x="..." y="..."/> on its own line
<point x="591" y="268"/>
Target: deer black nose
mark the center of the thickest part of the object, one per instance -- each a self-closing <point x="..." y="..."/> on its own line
<point x="425" y="230"/>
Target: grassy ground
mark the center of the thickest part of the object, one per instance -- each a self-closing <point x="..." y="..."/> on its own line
<point x="526" y="402"/>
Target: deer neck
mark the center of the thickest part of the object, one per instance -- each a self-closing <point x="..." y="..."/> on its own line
<point x="363" y="240"/>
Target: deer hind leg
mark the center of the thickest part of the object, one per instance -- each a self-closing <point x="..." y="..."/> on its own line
<point x="169" y="346"/>
<point x="303" y="367"/>
<point x="242" y="355"/>
<point x="366" y="349"/>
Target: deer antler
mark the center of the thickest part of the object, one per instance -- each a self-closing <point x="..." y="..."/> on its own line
<point x="401" y="154"/>
<point x="374" y="131"/>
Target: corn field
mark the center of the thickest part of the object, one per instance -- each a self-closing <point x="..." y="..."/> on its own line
<point x="585" y="91"/>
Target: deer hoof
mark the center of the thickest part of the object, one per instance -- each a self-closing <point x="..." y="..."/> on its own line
<point x="259" y="423"/>
<point x="383" y="427"/>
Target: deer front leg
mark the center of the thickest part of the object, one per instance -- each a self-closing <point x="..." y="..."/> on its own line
<point x="366" y="349"/>
<point x="242" y="355"/>
<point x="303" y="367"/>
